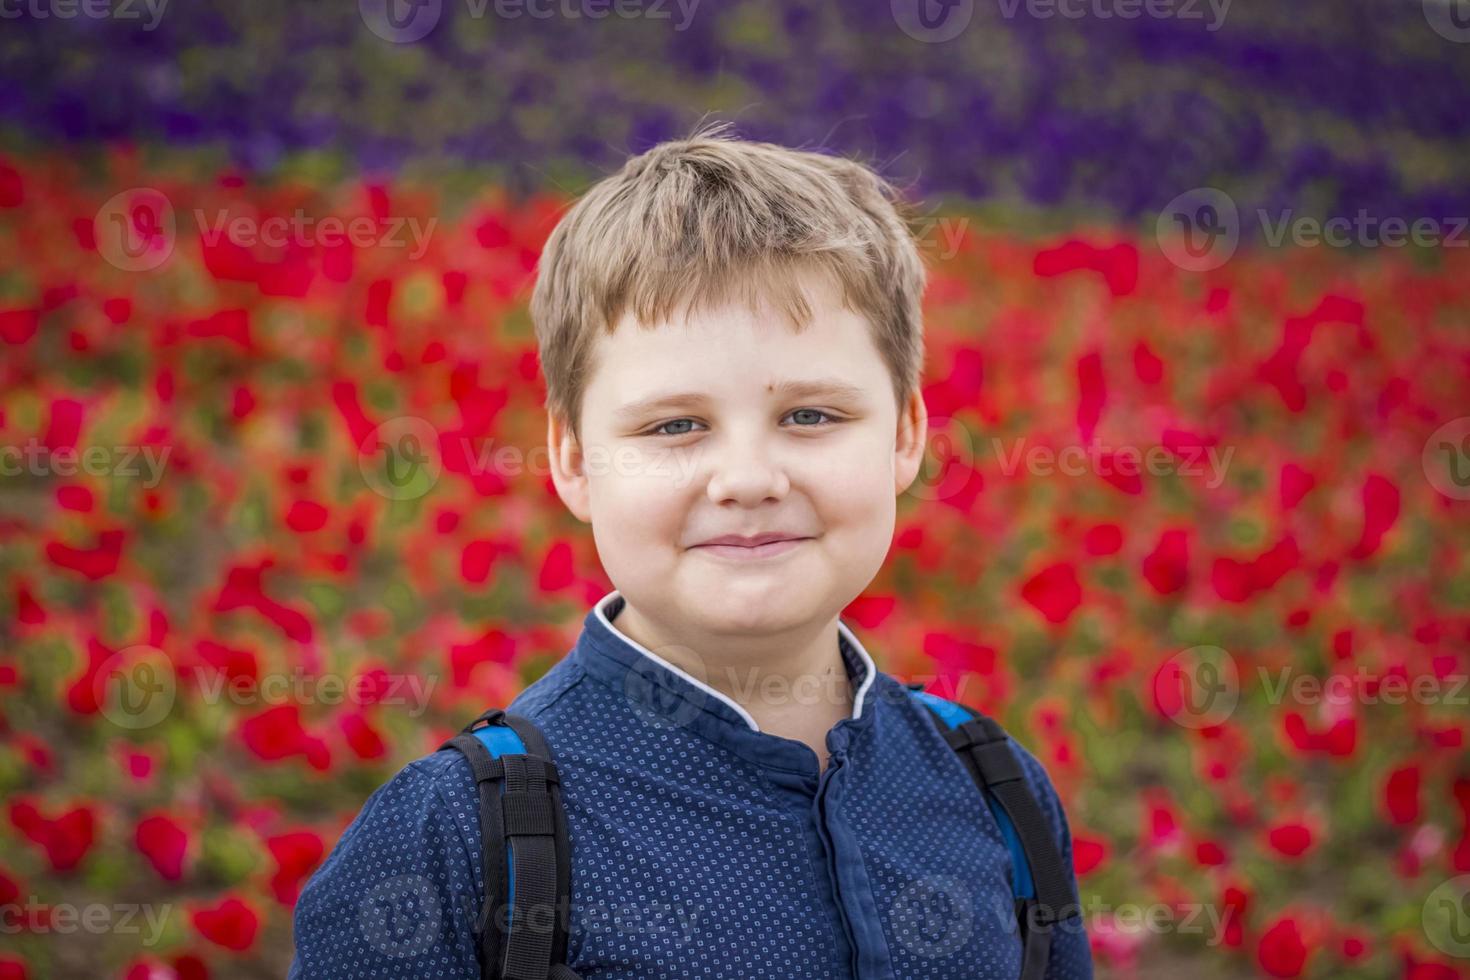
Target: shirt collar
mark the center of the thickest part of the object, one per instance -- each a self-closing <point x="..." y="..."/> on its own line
<point x="665" y="693"/>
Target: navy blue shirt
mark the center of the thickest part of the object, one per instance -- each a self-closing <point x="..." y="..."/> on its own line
<point x="701" y="846"/>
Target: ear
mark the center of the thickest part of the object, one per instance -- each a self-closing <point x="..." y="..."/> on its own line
<point x="908" y="446"/>
<point x="568" y="469"/>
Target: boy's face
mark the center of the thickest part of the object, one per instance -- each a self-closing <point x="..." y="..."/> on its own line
<point x="735" y="454"/>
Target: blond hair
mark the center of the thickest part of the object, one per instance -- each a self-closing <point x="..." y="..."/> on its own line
<point x="694" y="223"/>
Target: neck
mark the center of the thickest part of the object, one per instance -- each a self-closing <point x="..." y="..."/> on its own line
<point x="793" y="684"/>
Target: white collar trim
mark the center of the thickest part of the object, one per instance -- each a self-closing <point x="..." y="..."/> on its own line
<point x="870" y="671"/>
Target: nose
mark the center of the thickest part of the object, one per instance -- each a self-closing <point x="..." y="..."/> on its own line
<point x="744" y="471"/>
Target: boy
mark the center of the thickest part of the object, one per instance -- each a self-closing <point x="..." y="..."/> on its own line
<point x="732" y="343"/>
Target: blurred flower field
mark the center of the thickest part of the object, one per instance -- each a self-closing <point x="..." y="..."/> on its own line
<point x="275" y="520"/>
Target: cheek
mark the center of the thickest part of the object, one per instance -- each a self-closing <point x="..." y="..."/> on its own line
<point x="855" y="488"/>
<point x="631" y="510"/>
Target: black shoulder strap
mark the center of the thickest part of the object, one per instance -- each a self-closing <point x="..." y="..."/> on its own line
<point x="985" y="748"/>
<point x="524" y="848"/>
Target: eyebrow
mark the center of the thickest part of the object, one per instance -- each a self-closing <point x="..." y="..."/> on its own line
<point x="815" y="388"/>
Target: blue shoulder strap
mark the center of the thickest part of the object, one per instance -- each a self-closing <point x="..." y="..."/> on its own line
<point x="524" y="845"/>
<point x="502" y="740"/>
<point x="954" y="716"/>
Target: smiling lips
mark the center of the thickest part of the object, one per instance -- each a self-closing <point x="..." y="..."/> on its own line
<point x="746" y="547"/>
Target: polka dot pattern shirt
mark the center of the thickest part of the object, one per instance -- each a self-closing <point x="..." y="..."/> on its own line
<point x="701" y="846"/>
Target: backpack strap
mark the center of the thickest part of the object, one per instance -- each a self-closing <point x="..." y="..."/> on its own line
<point x="1040" y="884"/>
<point x="524" y="846"/>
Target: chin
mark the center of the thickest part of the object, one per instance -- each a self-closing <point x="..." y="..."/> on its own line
<point x="766" y="610"/>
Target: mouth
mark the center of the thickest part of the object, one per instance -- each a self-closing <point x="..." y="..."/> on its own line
<point x="738" y="552"/>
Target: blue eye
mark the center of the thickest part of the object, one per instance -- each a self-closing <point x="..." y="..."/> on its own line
<point x="823" y="420"/>
<point x="815" y="411"/>
<point x="658" y="430"/>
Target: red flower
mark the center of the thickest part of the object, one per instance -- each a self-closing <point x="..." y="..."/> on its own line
<point x="65" y="839"/>
<point x="1054" y="591"/>
<point x="1146" y="364"/>
<point x="1238" y="581"/>
<point x="362" y="738"/>
<point x="1166" y="568"/>
<point x="230" y="661"/>
<point x="1401" y="795"/>
<point x="1282" y="952"/>
<point x="277" y="733"/>
<point x="1092" y="394"/>
<point x="164" y="843"/>
<point x="1103" y="539"/>
<point x="1088" y="854"/>
<point x="1380" y="511"/>
<point x="1340" y="738"/>
<point x="1117" y="264"/>
<point x="557" y="569"/>
<point x="306" y="516"/>
<point x="1235" y="902"/>
<point x="231" y="924"/>
<point x="1291" y="840"/>
<point x="492" y="647"/>
<point x="243" y="589"/>
<point x="96" y="562"/>
<point x="1296" y="483"/>
<point x="1209" y="853"/>
<point x="1355" y="945"/>
<point x="477" y="561"/>
<point x="18" y="326"/>
<point x="869" y="612"/>
<point x="297" y="854"/>
<point x="12" y="187"/>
